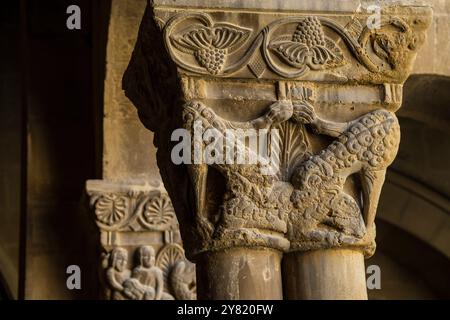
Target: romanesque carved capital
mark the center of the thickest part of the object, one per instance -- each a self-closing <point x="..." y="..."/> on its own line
<point x="142" y="257"/>
<point x="325" y="86"/>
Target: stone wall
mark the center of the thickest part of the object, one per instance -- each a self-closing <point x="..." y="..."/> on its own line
<point x="131" y="180"/>
<point x="434" y="57"/>
<point x="128" y="152"/>
<point x="10" y="147"/>
<point x="59" y="148"/>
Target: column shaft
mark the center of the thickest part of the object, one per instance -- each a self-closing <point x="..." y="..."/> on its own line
<point x="240" y="274"/>
<point x="332" y="274"/>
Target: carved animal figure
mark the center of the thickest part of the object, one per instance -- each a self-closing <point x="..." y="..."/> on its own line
<point x="149" y="275"/>
<point x="253" y="198"/>
<point x="117" y="272"/>
<point x="182" y="280"/>
<point x="324" y="212"/>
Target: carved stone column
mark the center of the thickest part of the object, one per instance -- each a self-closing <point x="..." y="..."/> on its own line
<point x="319" y="88"/>
<point x="142" y="256"/>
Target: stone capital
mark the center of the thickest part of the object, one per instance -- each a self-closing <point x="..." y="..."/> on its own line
<point x="325" y="77"/>
<point x="142" y="256"/>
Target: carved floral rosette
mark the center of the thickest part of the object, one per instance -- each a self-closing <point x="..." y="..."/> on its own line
<point x="133" y="210"/>
<point x="329" y="84"/>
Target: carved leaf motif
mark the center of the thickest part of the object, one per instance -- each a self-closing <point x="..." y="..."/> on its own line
<point x="111" y="209"/>
<point x="159" y="213"/>
<point x="294" y="148"/>
<point x="229" y="37"/>
<point x="210" y="45"/>
<point x="294" y="53"/>
<point x="221" y="36"/>
<point x="316" y="57"/>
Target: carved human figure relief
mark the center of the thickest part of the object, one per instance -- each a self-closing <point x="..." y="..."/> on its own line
<point x="136" y="264"/>
<point x="117" y="272"/>
<point x="173" y="278"/>
<point x="149" y="275"/>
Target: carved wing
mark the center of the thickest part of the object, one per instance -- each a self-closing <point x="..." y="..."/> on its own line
<point x="336" y="57"/>
<point x="221" y="36"/>
<point x="298" y="54"/>
<point x="229" y="37"/>
<point x="193" y="39"/>
<point x="293" y="53"/>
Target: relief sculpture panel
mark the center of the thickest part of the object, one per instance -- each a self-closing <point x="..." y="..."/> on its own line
<point x="142" y="255"/>
<point x="307" y="201"/>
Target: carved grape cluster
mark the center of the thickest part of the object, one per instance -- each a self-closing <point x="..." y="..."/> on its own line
<point x="211" y="58"/>
<point x="309" y="32"/>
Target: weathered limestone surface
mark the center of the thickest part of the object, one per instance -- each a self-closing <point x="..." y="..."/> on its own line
<point x="325" y="81"/>
<point x="127" y="155"/>
<point x="433" y="57"/>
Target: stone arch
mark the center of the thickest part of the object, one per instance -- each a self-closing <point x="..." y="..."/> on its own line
<point x="427" y="101"/>
<point x="413" y="224"/>
<point x="417" y="210"/>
